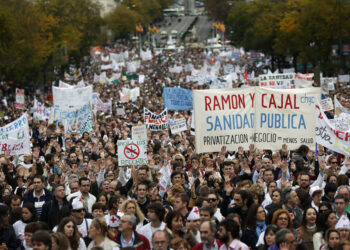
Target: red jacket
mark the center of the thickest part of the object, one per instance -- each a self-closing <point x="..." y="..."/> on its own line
<point x="199" y="246"/>
<point x="140" y="243"/>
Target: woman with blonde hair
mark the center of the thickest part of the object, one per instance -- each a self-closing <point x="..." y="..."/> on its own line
<point x="131" y="206"/>
<point x="59" y="241"/>
<point x="100" y="235"/>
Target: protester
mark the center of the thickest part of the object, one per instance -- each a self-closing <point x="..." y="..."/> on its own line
<point x="180" y="193"/>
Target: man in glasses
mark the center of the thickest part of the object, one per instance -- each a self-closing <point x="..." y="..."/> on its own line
<point x="78" y="214"/>
<point x="214" y="201"/>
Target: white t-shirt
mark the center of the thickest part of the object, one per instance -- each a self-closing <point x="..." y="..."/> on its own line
<point x="83" y="228"/>
<point x="147" y="231"/>
<point x="19" y="229"/>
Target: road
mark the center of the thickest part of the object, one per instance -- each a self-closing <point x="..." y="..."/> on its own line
<point x="172" y="23"/>
<point x="203" y="28"/>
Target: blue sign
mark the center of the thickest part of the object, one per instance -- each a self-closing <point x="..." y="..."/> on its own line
<point x="177" y="98"/>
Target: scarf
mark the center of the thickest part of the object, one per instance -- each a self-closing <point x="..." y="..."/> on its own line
<point x="260" y="227"/>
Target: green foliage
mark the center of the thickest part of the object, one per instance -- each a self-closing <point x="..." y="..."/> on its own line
<point x="124" y="18"/>
<point x="301" y="28"/>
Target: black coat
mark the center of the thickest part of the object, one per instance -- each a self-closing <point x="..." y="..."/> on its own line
<point x="50" y="211"/>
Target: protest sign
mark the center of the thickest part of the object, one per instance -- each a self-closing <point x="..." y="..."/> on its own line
<point x="177" y="98"/>
<point x="156" y="122"/>
<point x="265" y="117"/>
<point x="19" y="99"/>
<point x="178" y="126"/>
<point x="344" y="78"/>
<point x="14" y="137"/>
<point x="175" y="69"/>
<point x="40" y="111"/>
<point x="132" y="152"/>
<point x="277" y="81"/>
<point x="65" y="85"/>
<point x="303" y="80"/>
<point x="327" y="104"/>
<point x="341" y="122"/>
<point x="72" y="98"/>
<point x="339" y="108"/>
<point x="328" y="136"/>
<point x="82" y="117"/>
<point x="120" y="111"/>
<point x="139" y="132"/>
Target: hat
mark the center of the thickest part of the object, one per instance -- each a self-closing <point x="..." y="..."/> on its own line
<point x="77" y="203"/>
<point x="194" y="214"/>
<point x="343" y="222"/>
<point x="113" y="221"/>
<point x="314" y="189"/>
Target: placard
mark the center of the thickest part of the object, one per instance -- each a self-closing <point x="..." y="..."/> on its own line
<point x="19" y="99"/>
<point x="177" y="98"/>
<point x="139" y="132"/>
<point x="156" y="122"/>
<point x="265" y="117"/>
<point x="178" y="126"/>
<point x="132" y="152"/>
<point x="327" y="104"/>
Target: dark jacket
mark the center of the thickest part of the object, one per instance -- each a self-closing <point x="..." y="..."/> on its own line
<point x="250" y="237"/>
<point x="8" y="236"/>
<point x="50" y="211"/>
<point x="29" y="197"/>
<point x="140" y="243"/>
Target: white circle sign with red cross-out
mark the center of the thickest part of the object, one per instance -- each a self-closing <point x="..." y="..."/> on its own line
<point x="131" y="151"/>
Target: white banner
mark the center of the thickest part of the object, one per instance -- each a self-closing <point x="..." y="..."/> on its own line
<point x="265" y="117"/>
<point x="19" y="99"/>
<point x="40" y="111"/>
<point x="178" y="126"/>
<point x="328" y="136"/>
<point x="81" y="117"/>
<point x="303" y="80"/>
<point x="139" y="132"/>
<point x="277" y="81"/>
<point x="132" y="152"/>
<point x="339" y="108"/>
<point x="14" y="137"/>
<point x="71" y="98"/>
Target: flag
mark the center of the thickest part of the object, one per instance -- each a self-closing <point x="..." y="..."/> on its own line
<point x="139" y="28"/>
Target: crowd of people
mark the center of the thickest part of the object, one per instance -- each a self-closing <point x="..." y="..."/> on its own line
<point x="70" y="192"/>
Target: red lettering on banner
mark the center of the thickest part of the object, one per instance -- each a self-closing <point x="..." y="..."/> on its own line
<point x="207" y="103"/>
<point x="272" y="101"/>
<point x="252" y="96"/>
<point x="216" y="103"/>
<point x="262" y="100"/>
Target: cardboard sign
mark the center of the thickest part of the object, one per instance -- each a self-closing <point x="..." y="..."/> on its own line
<point x="40" y="111"/>
<point x="178" y="126"/>
<point x="139" y="132"/>
<point x="14" y="137"/>
<point x="132" y="152"/>
<point x="265" y="117"/>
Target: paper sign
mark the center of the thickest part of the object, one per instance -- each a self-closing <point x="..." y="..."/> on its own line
<point x="19" y="98"/>
<point x="327" y="104"/>
<point x="132" y="152"/>
<point x="178" y="126"/>
<point x="40" y="111"/>
<point x="71" y="98"/>
<point x="139" y="132"/>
